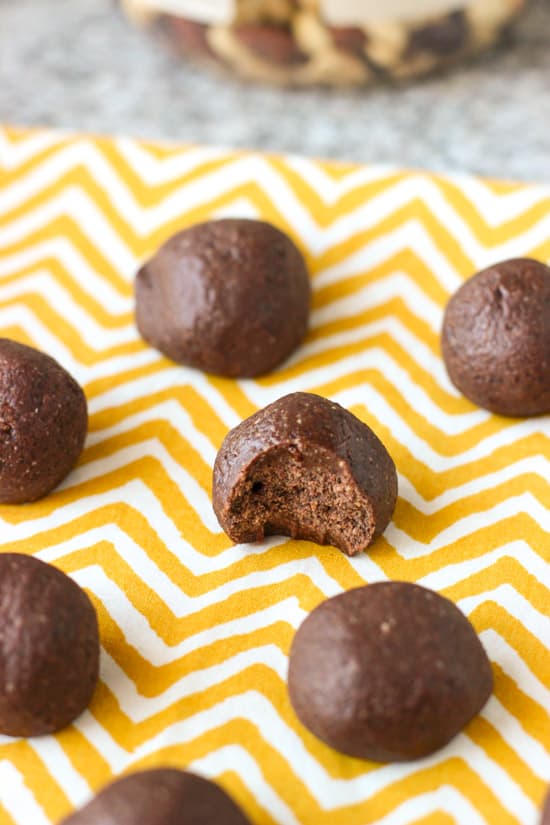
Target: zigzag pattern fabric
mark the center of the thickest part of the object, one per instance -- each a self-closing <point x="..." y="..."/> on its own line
<point x="195" y="631"/>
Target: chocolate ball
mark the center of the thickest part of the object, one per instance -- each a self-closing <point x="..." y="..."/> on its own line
<point x="230" y="297"/>
<point x="160" y="797"/>
<point x="304" y="467"/>
<point x="389" y="672"/>
<point x="49" y="647"/>
<point x="496" y="338"/>
<point x="546" y="811"/>
<point x="43" y="423"/>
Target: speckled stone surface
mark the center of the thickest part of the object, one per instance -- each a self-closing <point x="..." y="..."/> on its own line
<point x="78" y="64"/>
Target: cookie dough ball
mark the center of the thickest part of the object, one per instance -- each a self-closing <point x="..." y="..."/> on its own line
<point x="160" y="797"/>
<point x="389" y="672"/>
<point x="496" y="338"/>
<point x="307" y="468"/>
<point x="43" y="423"/>
<point x="49" y="647"/>
<point x="230" y="297"/>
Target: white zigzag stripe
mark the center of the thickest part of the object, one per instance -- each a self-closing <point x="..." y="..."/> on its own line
<point x="93" y="333"/>
<point x="254" y="169"/>
<point x="173" y="414"/>
<point x="77" y="267"/>
<point x="495" y="208"/>
<point x="17" y="799"/>
<point x="16" y="153"/>
<point x="409" y="548"/>
<point x="371" y="358"/>
<point x="77" y="204"/>
<point x="100" y="739"/>
<point x="136" y="494"/>
<point x="536" y="465"/>
<point x="96" y="580"/>
<point x="157" y="172"/>
<point x="260" y="396"/>
<point x="242" y="207"/>
<point x="516" y="605"/>
<point x="20" y="315"/>
<point x="121" y="609"/>
<point x="445" y="799"/>
<point x="512" y="663"/>
<point x="81" y="208"/>
<point x="222" y="761"/>
<point x="498" y="208"/>
<point x="49" y="750"/>
<point x="181" y="604"/>
<point x="83" y="153"/>
<point x="120" y="760"/>
<point x="330" y="793"/>
<point x="520" y="551"/>
<point x="368" y="397"/>
<point x="139" y="634"/>
<point x="153" y="448"/>
<point x="139" y="708"/>
<point x="168" y="379"/>
<point x="397" y="285"/>
<point x="412" y="236"/>
<point x="421" y="449"/>
<point x="530" y="751"/>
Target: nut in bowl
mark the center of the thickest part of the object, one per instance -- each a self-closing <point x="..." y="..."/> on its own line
<point x="327" y="42"/>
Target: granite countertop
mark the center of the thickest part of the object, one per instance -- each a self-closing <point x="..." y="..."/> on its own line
<point x="77" y="64"/>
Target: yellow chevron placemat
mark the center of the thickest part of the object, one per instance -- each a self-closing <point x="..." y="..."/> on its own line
<point x="196" y="632"/>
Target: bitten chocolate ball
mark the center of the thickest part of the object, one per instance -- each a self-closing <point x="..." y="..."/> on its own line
<point x="304" y="467"/>
<point x="160" y="797"/>
<point x="230" y="297"/>
<point x="49" y="647"/>
<point x="43" y="423"/>
<point x="388" y="672"/>
<point x="496" y="338"/>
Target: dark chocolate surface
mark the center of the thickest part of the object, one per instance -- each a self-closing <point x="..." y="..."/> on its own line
<point x="496" y="338"/>
<point x="43" y="423"/>
<point x="230" y="297"/>
<point x="546" y="811"/>
<point x="49" y="647"/>
<point x="388" y="672"/>
<point x="306" y="467"/>
<point x="162" y="796"/>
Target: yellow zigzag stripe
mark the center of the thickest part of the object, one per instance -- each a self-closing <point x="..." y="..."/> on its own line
<point x="134" y="524"/>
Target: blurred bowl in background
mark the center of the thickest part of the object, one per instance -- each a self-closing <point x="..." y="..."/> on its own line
<point x="327" y="42"/>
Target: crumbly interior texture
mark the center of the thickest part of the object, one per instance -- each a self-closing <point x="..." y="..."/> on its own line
<point x="311" y="497"/>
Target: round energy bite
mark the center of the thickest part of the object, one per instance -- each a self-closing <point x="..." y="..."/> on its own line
<point x="229" y="297"/>
<point x="389" y="672"/>
<point x="160" y="797"/>
<point x="496" y="338"/>
<point x="308" y="468"/>
<point x="49" y="647"/>
<point x="43" y="423"/>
